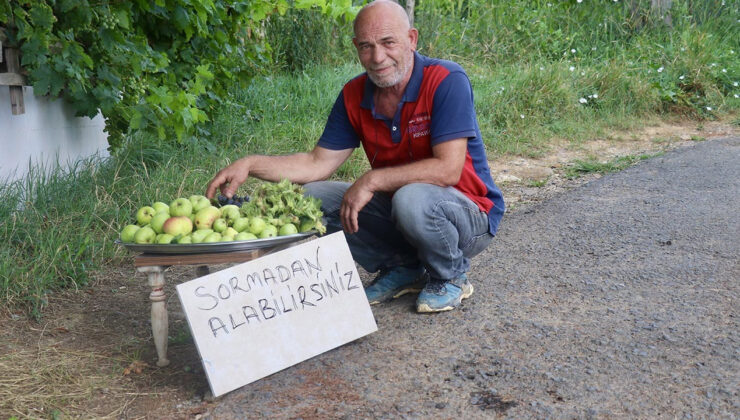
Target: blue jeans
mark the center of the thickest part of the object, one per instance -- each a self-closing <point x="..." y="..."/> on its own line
<point x="419" y="224"/>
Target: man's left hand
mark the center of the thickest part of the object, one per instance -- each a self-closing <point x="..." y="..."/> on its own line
<point x="355" y="198"/>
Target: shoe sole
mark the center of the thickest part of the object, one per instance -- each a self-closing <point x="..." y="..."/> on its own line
<point x="398" y="294"/>
<point x="424" y="308"/>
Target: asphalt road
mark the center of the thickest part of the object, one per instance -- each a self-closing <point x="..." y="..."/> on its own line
<point x="618" y="299"/>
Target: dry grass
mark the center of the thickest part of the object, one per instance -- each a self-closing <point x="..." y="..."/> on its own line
<point x="55" y="383"/>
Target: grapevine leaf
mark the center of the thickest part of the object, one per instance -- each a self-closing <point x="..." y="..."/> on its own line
<point x="41" y="16"/>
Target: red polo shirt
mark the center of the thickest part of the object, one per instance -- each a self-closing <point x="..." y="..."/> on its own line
<point x="437" y="106"/>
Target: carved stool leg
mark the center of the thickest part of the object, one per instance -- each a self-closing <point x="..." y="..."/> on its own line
<point x="159" y="311"/>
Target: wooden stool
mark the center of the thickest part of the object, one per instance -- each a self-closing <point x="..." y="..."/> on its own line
<point x="155" y="264"/>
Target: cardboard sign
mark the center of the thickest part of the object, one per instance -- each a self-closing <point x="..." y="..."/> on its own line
<point x="262" y="316"/>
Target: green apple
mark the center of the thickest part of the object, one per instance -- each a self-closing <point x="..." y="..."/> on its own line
<point x="230" y="231"/>
<point x="127" y="233"/>
<point x="181" y="207"/>
<point x="268" y="232"/>
<point x="230" y="212"/>
<point x="187" y="239"/>
<point x="178" y="225"/>
<point x="164" y="238"/>
<point x="241" y="224"/>
<point x="287" y="229"/>
<point x="144" y="215"/>
<point x="205" y="217"/>
<point x="160" y="206"/>
<point x="212" y="237"/>
<point x="245" y="236"/>
<point x="145" y="235"/>
<point x="256" y="225"/>
<point x="199" y="235"/>
<point x="158" y="221"/>
<point x="227" y="238"/>
<point x="220" y="225"/>
<point x="199" y="202"/>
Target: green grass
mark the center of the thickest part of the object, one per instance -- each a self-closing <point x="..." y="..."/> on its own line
<point x="593" y="165"/>
<point x="541" y="74"/>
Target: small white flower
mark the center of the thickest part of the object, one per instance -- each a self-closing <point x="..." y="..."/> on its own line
<point x="683" y="49"/>
<point x="541" y="68"/>
<point x="734" y="84"/>
<point x="681" y="77"/>
<point x="724" y="70"/>
<point x="660" y="70"/>
<point x="736" y="96"/>
<point x="579" y="1"/>
<point x="732" y="51"/>
<point x="595" y="95"/>
<point x="583" y="73"/>
<point x="521" y="116"/>
<point x="549" y="4"/>
<point x="573" y="50"/>
<point x="593" y="48"/>
<point x="571" y="68"/>
<point x="583" y="100"/>
<point x="709" y="108"/>
<point x="714" y="65"/>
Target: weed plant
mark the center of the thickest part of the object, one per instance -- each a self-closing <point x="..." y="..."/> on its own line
<point x="540" y="70"/>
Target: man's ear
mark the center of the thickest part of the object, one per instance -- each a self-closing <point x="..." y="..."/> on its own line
<point x="413" y="38"/>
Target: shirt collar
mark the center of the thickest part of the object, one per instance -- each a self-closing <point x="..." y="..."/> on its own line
<point x="411" y="94"/>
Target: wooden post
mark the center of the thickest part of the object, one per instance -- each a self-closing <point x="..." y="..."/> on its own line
<point x="160" y="322"/>
<point x="410" y="11"/>
<point x="662" y="9"/>
<point x="16" y="92"/>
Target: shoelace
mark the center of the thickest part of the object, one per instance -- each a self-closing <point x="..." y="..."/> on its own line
<point x="435" y="286"/>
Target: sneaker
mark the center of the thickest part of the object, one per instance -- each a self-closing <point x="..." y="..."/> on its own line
<point x="441" y="295"/>
<point x="395" y="282"/>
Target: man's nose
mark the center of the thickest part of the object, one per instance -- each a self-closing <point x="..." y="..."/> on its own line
<point x="378" y="54"/>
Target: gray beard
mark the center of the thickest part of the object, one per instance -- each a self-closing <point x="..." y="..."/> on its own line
<point x="396" y="79"/>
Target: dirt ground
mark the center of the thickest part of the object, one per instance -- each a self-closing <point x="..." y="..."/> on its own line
<point x="92" y="355"/>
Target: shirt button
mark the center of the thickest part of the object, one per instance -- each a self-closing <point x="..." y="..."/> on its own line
<point x="394" y="128"/>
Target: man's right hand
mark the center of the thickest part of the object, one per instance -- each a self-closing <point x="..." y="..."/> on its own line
<point x="228" y="179"/>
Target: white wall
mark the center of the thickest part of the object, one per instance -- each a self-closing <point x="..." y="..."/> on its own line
<point x="47" y="133"/>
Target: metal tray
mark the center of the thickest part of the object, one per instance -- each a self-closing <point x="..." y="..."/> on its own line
<point x="213" y="247"/>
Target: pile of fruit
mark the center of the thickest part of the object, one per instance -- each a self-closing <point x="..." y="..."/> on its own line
<point x="275" y="209"/>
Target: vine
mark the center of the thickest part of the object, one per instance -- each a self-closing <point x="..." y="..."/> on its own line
<point x="159" y="66"/>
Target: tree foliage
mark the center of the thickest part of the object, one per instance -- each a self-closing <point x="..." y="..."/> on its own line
<point x="161" y="66"/>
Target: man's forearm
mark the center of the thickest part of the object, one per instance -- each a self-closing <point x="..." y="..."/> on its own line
<point x="300" y="168"/>
<point x="444" y="168"/>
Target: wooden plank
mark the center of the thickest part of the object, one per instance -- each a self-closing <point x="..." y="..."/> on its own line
<point x="12" y="79"/>
<point x="144" y="260"/>
<point x="16" y="92"/>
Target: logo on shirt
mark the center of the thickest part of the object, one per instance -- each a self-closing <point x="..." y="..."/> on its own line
<point x="419" y="125"/>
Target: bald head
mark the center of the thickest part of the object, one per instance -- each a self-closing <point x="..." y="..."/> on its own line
<point x="382" y="10"/>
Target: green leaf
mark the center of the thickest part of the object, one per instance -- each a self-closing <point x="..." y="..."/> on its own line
<point x="123" y="19"/>
<point x="41" y="16"/>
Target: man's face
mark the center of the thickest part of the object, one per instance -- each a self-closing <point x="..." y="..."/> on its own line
<point x="385" y="48"/>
